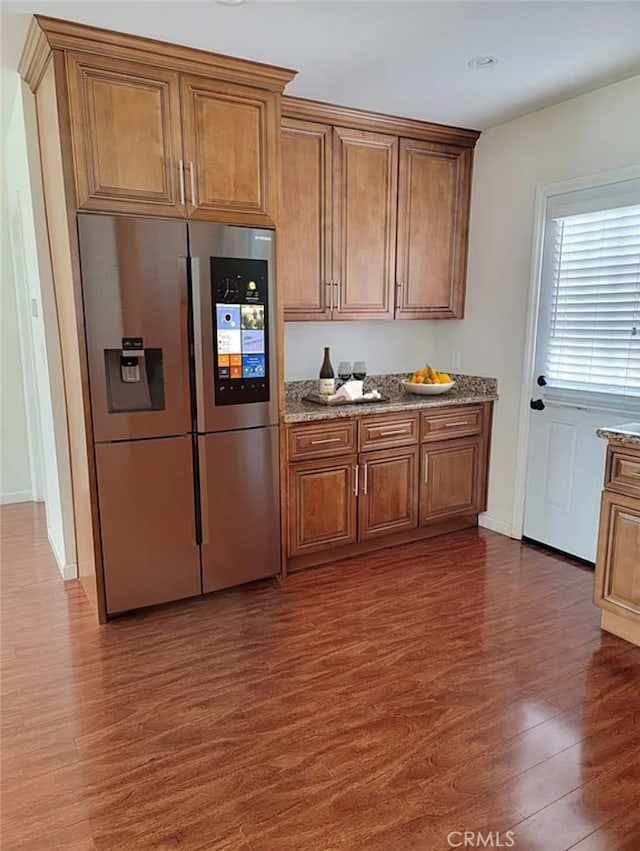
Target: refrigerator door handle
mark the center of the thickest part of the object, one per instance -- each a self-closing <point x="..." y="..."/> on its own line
<point x="198" y="357"/>
<point x="204" y="492"/>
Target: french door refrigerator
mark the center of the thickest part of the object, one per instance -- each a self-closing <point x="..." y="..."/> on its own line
<point x="180" y="331"/>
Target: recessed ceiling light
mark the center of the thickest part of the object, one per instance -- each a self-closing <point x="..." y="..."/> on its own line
<point x="482" y="62"/>
<point x="229" y="2"/>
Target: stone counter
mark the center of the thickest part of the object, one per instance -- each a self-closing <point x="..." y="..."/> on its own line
<point x="628" y="433"/>
<point x="468" y="389"/>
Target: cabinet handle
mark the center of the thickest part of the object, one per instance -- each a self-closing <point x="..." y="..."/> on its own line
<point x="181" y="171"/>
<point x="336" y="284"/>
<point x="326" y="440"/>
<point x="364" y="484"/>
<point x="356" y="476"/>
<point x="330" y="285"/>
<point x="398" y="298"/>
<point x="451" y="425"/>
<point x="192" y="172"/>
<point x="392" y="432"/>
<point x="426" y="468"/>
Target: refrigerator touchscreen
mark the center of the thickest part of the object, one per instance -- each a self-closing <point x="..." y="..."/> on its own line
<point x="241" y="338"/>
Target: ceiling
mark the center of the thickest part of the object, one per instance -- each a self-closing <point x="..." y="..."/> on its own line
<point x="404" y="58"/>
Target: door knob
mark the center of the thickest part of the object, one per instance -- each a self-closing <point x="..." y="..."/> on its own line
<point x="541" y="381"/>
<point x="536" y="405"/>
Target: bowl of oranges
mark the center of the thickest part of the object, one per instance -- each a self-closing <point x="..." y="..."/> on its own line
<point x="427" y="381"/>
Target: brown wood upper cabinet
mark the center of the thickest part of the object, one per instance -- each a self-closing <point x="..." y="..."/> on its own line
<point x="159" y="129"/>
<point x="155" y="142"/>
<point x="304" y="236"/>
<point x="126" y="135"/>
<point x="364" y="209"/>
<point x="373" y="224"/>
<point x="230" y="139"/>
<point x="337" y="225"/>
<point x="433" y="214"/>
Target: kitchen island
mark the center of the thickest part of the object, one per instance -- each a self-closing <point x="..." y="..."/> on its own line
<point x="617" y="577"/>
<point x="370" y="475"/>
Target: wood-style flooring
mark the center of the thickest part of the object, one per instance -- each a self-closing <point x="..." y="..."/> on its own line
<point x="456" y="684"/>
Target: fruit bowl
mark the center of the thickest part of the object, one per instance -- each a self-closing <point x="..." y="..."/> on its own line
<point x="427" y="389"/>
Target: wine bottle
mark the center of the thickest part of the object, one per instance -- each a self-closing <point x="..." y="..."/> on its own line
<point x="327" y="384"/>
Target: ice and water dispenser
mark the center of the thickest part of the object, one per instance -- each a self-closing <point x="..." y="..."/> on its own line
<point x="135" y="377"/>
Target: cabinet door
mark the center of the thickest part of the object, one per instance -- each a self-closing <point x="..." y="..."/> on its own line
<point x="230" y="144"/>
<point x="365" y="169"/>
<point x="388" y="500"/>
<point x="125" y="124"/>
<point x="304" y="225"/>
<point x="433" y="221"/>
<point x="617" y="578"/>
<point x="450" y="480"/>
<point x="322" y="505"/>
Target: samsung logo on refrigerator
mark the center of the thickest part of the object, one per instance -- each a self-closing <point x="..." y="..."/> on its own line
<point x="263" y="238"/>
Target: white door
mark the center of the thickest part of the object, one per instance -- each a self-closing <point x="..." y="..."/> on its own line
<point x="587" y="361"/>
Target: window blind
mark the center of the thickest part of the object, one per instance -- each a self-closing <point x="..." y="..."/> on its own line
<point x="594" y="318"/>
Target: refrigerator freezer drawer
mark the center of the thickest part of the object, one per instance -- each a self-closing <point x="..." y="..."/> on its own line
<point x="240" y="495"/>
<point x="145" y="493"/>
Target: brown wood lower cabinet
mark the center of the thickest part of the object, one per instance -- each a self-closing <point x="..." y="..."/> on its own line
<point x="341" y="503"/>
<point x="389" y="492"/>
<point x="617" y="576"/>
<point x="449" y="479"/>
<point x="322" y="504"/>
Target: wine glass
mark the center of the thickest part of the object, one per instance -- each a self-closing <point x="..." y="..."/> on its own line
<point x="344" y="371"/>
<point x="359" y="370"/>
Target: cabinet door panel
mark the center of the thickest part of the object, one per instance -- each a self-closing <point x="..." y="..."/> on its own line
<point x="322" y="505"/>
<point x="364" y="231"/>
<point x="229" y="143"/>
<point x="304" y="226"/>
<point x="388" y="500"/>
<point x="450" y="479"/>
<point x="433" y="214"/>
<point x="125" y="121"/>
<point x="617" y="579"/>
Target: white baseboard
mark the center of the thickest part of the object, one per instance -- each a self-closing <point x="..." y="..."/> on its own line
<point x="15" y="496"/>
<point x="495" y="525"/>
<point x="68" y="571"/>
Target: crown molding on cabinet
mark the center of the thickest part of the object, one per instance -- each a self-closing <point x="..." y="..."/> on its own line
<point x="35" y="55"/>
<point x="360" y="119"/>
<point x="46" y="34"/>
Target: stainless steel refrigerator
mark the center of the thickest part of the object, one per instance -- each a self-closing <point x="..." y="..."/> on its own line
<point x="180" y="330"/>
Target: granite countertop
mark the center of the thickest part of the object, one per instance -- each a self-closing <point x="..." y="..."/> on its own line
<point x="468" y="389"/>
<point x="626" y="433"/>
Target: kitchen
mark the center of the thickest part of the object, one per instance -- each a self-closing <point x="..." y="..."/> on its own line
<point x="445" y="343"/>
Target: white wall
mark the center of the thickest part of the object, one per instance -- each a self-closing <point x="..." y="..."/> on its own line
<point x="46" y="423"/>
<point x="15" y="472"/>
<point x="593" y="133"/>
<point x="384" y="346"/>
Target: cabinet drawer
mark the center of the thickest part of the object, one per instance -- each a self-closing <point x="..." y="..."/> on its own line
<point x="451" y="422"/>
<point x="321" y="439"/>
<point x="623" y="471"/>
<point x="388" y="431"/>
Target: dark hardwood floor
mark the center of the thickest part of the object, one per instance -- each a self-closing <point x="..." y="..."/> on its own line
<point x="386" y="702"/>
